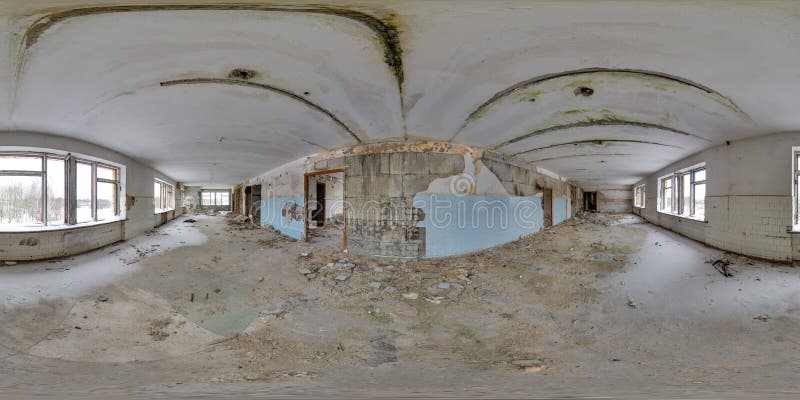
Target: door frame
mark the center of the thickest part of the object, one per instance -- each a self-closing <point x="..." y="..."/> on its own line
<point x="547" y="207"/>
<point x="307" y="175"/>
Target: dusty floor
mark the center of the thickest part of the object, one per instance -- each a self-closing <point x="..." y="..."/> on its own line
<point x="599" y="306"/>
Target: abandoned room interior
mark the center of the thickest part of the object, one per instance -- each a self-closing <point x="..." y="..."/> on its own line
<point x="366" y="198"/>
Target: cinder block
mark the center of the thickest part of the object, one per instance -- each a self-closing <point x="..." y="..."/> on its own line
<point x="353" y="165"/>
<point x="396" y="163"/>
<point x="415" y="163"/>
<point x="336" y="163"/>
<point x="413" y="184"/>
<point x="354" y="186"/>
<point x="370" y="164"/>
<point x="395" y="185"/>
<point x="444" y="164"/>
<point x="385" y="164"/>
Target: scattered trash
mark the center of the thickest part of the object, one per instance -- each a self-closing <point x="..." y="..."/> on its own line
<point x="410" y="296"/>
<point x="261" y="279"/>
<point x="722" y="267"/>
<point x="225" y="339"/>
<point x="762" y="317"/>
<point x="102" y="298"/>
<point x="378" y="269"/>
<point x="305" y="271"/>
<point x="534" y="365"/>
<point x="443" y="285"/>
<point x="375" y="285"/>
<point x="632" y="303"/>
<point x="342" y="277"/>
<point x="304" y="254"/>
<point x="190" y="221"/>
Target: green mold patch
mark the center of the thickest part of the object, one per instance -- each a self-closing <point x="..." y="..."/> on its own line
<point x="528" y="95"/>
<point x="575" y="111"/>
<point x="385" y="30"/>
<point x="579" y="83"/>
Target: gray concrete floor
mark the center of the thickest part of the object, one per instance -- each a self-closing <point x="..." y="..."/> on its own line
<point x="604" y="306"/>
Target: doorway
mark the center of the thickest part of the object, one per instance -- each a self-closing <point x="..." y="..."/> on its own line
<point x="255" y="204"/>
<point x="324" y="206"/>
<point x="318" y="209"/>
<point x="547" y="207"/>
<point x="590" y="201"/>
<point x="248" y="200"/>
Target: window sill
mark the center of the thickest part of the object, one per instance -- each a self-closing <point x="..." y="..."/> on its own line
<point x="163" y="211"/>
<point x="703" y="219"/>
<point x="640" y="207"/>
<point x="25" y="229"/>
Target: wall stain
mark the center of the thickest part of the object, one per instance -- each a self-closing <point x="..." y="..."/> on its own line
<point x="597" y="142"/>
<point x="31" y="241"/>
<point x="129" y="202"/>
<point x="583" y="155"/>
<point x="589" y="122"/>
<point x="281" y="91"/>
<point x="486" y="105"/>
<point x="385" y="30"/>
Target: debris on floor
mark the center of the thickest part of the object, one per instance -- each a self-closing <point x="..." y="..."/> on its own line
<point x="722" y="267"/>
<point x="534" y="365"/>
<point x="632" y="303"/>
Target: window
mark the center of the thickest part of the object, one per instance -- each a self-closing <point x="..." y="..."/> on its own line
<point x="107" y="191"/>
<point x="683" y="193"/>
<point x="34" y="189"/>
<point x="163" y="196"/>
<point x="639" y="196"/>
<point x="209" y="198"/>
<point x="796" y="188"/>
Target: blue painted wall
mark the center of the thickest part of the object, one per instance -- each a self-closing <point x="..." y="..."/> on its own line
<point x="462" y="224"/>
<point x="271" y="215"/>
<point x="559" y="210"/>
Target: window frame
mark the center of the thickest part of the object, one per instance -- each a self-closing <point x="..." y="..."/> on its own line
<point x="677" y="198"/>
<point x="166" y="197"/>
<point x="70" y="192"/>
<point x="795" y="189"/>
<point x="640" y="196"/>
<point x="214" y="194"/>
<point x="116" y="184"/>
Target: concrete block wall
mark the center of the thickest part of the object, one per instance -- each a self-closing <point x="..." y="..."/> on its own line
<point x="391" y="190"/>
<point x="615" y="200"/>
<point x="748" y="201"/>
<point x="752" y="225"/>
<point x="379" y="191"/>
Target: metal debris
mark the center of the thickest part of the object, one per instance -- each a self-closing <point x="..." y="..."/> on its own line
<point x="722" y="267"/>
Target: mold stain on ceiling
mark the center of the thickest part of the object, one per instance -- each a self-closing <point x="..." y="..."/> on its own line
<point x="336" y="75"/>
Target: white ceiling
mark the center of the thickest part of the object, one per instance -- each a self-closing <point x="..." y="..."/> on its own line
<point x="668" y="79"/>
